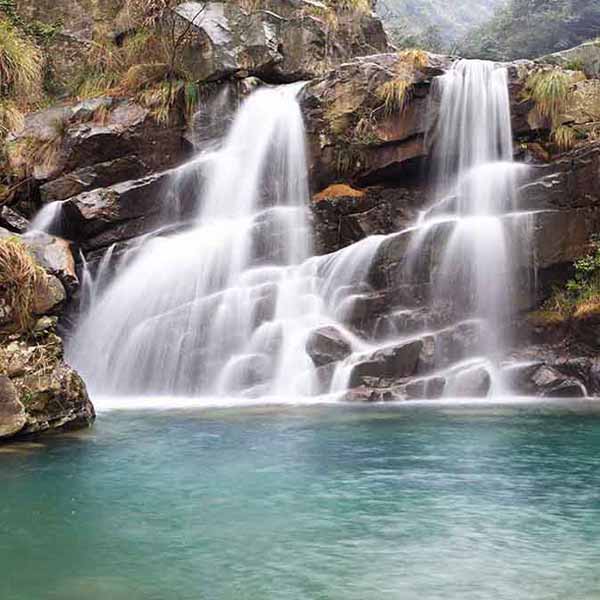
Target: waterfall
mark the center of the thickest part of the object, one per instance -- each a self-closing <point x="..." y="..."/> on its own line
<point x="475" y="183"/>
<point x="48" y="219"/>
<point x="225" y="307"/>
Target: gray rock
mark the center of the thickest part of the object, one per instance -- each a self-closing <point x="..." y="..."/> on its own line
<point x="470" y="383"/>
<point x="327" y="345"/>
<point x="392" y="363"/>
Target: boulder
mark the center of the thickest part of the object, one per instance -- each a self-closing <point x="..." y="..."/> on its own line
<point x="391" y="363"/>
<point x="107" y="215"/>
<point x="70" y="137"/>
<point x="546" y="380"/>
<point x="92" y="177"/>
<point x="430" y="388"/>
<point x="12" y="413"/>
<point x="470" y="383"/>
<point x="351" y="133"/>
<point x="54" y="254"/>
<point x="343" y="215"/>
<point x="49" y="295"/>
<point x="279" y="42"/>
<point x="585" y="57"/>
<point x="12" y="220"/>
<point x="327" y="345"/>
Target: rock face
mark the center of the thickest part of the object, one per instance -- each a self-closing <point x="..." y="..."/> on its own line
<point x="279" y="41"/>
<point x="78" y="147"/>
<point x="585" y="57"/>
<point x="351" y="133"/>
<point x="327" y="345"/>
<point x="39" y="392"/>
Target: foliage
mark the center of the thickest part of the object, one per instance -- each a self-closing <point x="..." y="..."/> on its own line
<point x="582" y="291"/>
<point x="395" y="93"/>
<point x="21" y="76"/>
<point x="19" y="277"/>
<point x="436" y="25"/>
<point x="21" y="64"/>
<point x="28" y="152"/>
<point x="531" y="28"/>
<point x="550" y="90"/>
<point x="148" y="63"/>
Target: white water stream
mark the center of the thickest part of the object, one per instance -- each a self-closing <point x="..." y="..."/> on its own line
<point x="225" y="308"/>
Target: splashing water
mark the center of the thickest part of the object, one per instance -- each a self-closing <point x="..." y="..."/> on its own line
<point x="476" y="201"/>
<point x="226" y="307"/>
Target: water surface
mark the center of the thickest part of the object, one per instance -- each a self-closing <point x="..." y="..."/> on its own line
<point x="417" y="502"/>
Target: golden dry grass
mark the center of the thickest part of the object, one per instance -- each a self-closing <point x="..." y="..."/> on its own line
<point x="19" y="277"/>
<point x="338" y="190"/>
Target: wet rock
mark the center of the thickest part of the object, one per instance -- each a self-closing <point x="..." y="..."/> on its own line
<point x="92" y="177"/>
<point x="392" y="363"/>
<point x="12" y="412"/>
<point x="548" y="381"/>
<point x="430" y="388"/>
<point x="470" y="383"/>
<point x="119" y="212"/>
<point x="365" y="394"/>
<point x="449" y="346"/>
<point x="13" y="220"/>
<point x="343" y="215"/>
<point x="326" y="345"/>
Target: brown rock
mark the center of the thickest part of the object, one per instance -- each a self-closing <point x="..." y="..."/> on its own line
<point x="12" y="412"/>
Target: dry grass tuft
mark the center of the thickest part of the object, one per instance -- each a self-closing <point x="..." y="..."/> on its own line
<point x="415" y="57"/>
<point x="338" y="190"/>
<point x="394" y="94"/>
<point x="19" y="277"/>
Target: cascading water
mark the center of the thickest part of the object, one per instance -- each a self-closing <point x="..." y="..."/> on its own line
<point x="476" y="201"/>
<point x="225" y="308"/>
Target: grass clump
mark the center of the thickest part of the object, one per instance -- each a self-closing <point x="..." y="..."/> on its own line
<point x="394" y="94"/>
<point x="21" y="76"/>
<point x="581" y="295"/>
<point x="550" y="91"/>
<point x="20" y="276"/>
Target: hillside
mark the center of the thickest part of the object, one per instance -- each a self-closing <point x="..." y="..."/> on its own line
<point x="433" y="24"/>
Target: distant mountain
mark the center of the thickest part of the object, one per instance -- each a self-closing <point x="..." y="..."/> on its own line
<point x="531" y="28"/>
<point x="436" y="25"/>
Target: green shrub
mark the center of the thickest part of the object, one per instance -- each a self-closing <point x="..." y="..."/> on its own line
<point x="581" y="293"/>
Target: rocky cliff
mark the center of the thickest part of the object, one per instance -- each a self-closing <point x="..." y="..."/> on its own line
<point x="39" y="392"/>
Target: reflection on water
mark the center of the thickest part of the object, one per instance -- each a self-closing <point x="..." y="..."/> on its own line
<point x="410" y="502"/>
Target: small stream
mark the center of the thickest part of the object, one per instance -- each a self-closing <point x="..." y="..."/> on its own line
<point x="413" y="502"/>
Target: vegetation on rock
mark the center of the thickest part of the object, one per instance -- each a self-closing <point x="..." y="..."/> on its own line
<point x="581" y="294"/>
<point x="21" y="74"/>
<point x="20" y="277"/>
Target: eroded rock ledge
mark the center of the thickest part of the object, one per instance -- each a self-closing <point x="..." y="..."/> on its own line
<point x="39" y="392"/>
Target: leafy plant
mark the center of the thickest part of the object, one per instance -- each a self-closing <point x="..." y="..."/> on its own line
<point x="582" y="292"/>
